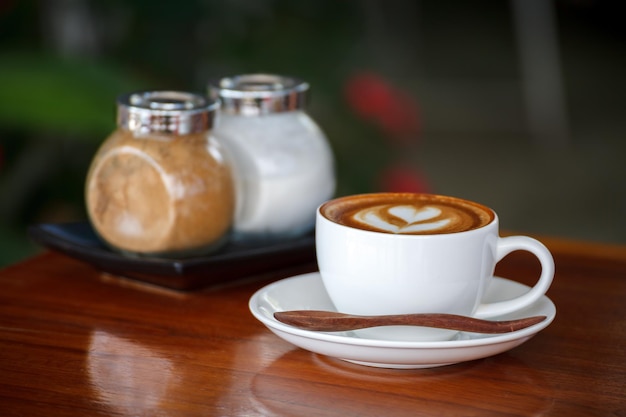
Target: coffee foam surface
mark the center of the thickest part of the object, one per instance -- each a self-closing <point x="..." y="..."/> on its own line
<point x="408" y="214"/>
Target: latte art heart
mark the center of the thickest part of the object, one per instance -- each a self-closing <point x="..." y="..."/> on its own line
<point x="406" y="213"/>
<point x="403" y="219"/>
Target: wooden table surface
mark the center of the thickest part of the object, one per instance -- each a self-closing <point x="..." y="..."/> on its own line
<point x="75" y="342"/>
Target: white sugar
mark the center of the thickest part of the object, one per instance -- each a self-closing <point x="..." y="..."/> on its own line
<point x="283" y="170"/>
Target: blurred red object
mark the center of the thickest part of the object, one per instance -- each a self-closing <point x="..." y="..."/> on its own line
<point x="403" y="179"/>
<point x="371" y="97"/>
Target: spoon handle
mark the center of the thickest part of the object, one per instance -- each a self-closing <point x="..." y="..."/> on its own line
<point x="328" y="321"/>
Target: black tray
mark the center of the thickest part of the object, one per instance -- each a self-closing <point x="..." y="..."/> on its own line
<point x="234" y="260"/>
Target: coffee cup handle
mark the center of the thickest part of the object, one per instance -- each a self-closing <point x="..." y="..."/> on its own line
<point x="510" y="244"/>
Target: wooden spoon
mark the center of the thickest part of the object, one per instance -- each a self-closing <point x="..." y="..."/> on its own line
<point x="329" y="321"/>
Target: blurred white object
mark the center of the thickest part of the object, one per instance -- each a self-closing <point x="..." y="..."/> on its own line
<point x="283" y="165"/>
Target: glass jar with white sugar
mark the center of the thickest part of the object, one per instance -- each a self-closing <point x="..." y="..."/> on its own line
<point x="282" y="163"/>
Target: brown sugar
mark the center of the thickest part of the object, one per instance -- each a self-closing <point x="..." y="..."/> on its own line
<point x="160" y="194"/>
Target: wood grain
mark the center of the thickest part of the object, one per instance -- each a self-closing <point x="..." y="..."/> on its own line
<point x="75" y="343"/>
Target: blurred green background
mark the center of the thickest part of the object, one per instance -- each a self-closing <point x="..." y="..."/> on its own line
<point x="517" y="104"/>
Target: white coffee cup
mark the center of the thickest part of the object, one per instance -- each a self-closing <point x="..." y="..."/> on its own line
<point x="435" y="254"/>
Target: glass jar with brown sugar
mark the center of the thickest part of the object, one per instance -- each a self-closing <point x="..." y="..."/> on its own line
<point x="160" y="184"/>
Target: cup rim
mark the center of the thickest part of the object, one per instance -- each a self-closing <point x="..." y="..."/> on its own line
<point x="494" y="220"/>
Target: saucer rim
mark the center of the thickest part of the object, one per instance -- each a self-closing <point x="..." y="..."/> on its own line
<point x="346" y="339"/>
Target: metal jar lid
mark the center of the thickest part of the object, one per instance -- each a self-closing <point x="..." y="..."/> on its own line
<point x="170" y="112"/>
<point x="259" y="94"/>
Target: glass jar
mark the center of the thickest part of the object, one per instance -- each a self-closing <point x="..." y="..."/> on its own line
<point x="160" y="185"/>
<point x="283" y="165"/>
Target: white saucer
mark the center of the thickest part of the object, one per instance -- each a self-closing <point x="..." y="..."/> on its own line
<point x="306" y="292"/>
